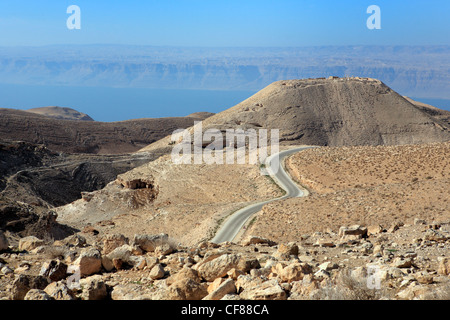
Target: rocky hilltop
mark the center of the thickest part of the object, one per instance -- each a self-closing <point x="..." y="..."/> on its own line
<point x="354" y="264"/>
<point x="61" y="113"/>
<point x="334" y="112"/>
<point x="76" y="136"/>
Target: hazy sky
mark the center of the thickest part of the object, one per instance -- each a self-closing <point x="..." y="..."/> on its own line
<point x="225" y="22"/>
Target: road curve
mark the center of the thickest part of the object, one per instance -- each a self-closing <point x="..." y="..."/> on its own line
<point x="274" y="166"/>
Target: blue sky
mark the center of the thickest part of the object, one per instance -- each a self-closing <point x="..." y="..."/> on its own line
<point x="225" y="22"/>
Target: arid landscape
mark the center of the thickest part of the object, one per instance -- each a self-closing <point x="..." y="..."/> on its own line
<point x="107" y="199"/>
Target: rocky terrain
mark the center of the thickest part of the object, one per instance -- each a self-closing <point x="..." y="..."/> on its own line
<point x="156" y="196"/>
<point x="36" y="175"/>
<point x="358" y="263"/>
<point x="92" y="137"/>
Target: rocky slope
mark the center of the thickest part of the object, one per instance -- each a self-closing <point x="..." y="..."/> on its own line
<point x="36" y="175"/>
<point x="75" y="136"/>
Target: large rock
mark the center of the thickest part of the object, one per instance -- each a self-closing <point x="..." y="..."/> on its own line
<point x="55" y="270"/>
<point x="268" y="290"/>
<point x="37" y="294"/>
<point x="252" y="240"/>
<point x="187" y="289"/>
<point x="60" y="291"/>
<point x="93" y="288"/>
<point x="294" y="272"/>
<point x="131" y="291"/>
<point x="23" y="283"/>
<point x="285" y="251"/>
<point x="218" y="267"/>
<point x="113" y="241"/>
<point x="353" y="232"/>
<point x="89" y="262"/>
<point x="150" y="242"/>
<point x="226" y="287"/>
<point x="444" y="266"/>
<point x="157" y="272"/>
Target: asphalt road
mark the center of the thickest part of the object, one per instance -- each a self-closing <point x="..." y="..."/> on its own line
<point x="234" y="223"/>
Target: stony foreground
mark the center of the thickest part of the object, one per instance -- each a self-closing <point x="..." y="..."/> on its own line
<point x="400" y="262"/>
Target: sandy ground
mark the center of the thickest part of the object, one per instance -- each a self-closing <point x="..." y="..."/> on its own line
<point x="361" y="185"/>
<point x="191" y="200"/>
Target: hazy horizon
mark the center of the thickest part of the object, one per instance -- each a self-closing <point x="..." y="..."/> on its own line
<point x="203" y="46"/>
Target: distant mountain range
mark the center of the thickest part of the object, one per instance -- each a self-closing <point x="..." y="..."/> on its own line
<point x="418" y="71"/>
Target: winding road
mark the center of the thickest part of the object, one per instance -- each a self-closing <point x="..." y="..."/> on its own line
<point x="234" y="223"/>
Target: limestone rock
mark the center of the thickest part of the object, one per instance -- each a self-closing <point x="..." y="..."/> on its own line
<point x="55" y="270"/>
<point x="268" y="290"/>
<point x="218" y="267"/>
<point x="402" y="262"/>
<point x="226" y="287"/>
<point x="37" y="294"/>
<point x="60" y="291"/>
<point x="89" y="261"/>
<point x="444" y="266"/>
<point x="29" y="243"/>
<point x="149" y="243"/>
<point x="353" y="232"/>
<point x="257" y="240"/>
<point x="294" y="272"/>
<point x="285" y="251"/>
<point x="113" y="241"/>
<point x="157" y="272"/>
<point x="93" y="288"/>
<point x="23" y="283"/>
<point x="187" y="289"/>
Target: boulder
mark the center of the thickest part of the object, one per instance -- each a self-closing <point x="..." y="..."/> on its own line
<point x="149" y="243"/>
<point x="218" y="267"/>
<point x="226" y="287"/>
<point x="285" y="251"/>
<point x="89" y="262"/>
<point x="55" y="270"/>
<point x="24" y="283"/>
<point x="402" y="262"/>
<point x="113" y="241"/>
<point x="252" y="240"/>
<point x="60" y="291"/>
<point x="29" y="243"/>
<point x="157" y="272"/>
<point x="268" y="290"/>
<point x="131" y="291"/>
<point x="444" y="266"/>
<point x="294" y="272"/>
<point x="37" y="294"/>
<point x="353" y="232"/>
<point x="187" y="289"/>
<point x="93" y="288"/>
